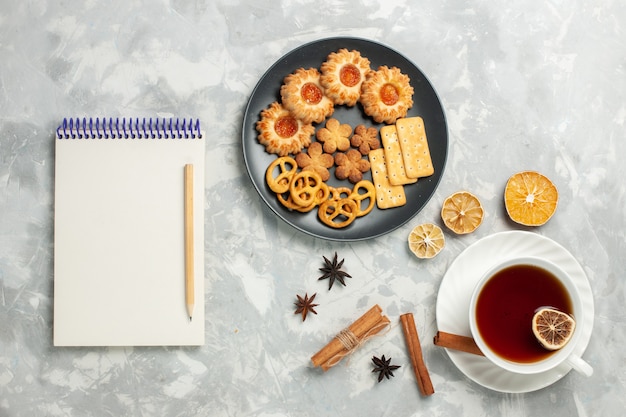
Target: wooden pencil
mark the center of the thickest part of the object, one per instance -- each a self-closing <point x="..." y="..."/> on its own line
<point x="189" y="255"/>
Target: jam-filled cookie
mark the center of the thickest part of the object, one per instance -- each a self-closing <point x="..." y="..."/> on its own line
<point x="343" y="72"/>
<point x="281" y="133"/>
<point x="386" y="94"/>
<point x="303" y="95"/>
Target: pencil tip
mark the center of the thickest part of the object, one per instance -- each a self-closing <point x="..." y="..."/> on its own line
<point x="189" y="318"/>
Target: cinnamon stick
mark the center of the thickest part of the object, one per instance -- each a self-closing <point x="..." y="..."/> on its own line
<point x="456" y="342"/>
<point x="369" y="324"/>
<point x="415" y="353"/>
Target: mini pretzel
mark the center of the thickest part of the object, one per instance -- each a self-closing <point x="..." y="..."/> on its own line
<point x="323" y="194"/>
<point x="304" y="187"/>
<point x="337" y="213"/>
<point x="337" y="193"/>
<point x="286" y="200"/>
<point x="287" y="167"/>
<point x="359" y="197"/>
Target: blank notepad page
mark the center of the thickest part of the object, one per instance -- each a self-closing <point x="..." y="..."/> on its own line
<point x="119" y="273"/>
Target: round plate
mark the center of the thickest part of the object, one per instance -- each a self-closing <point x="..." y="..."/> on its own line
<point x="426" y="104"/>
<point x="456" y="289"/>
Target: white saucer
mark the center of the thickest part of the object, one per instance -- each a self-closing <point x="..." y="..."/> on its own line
<point x="456" y="289"/>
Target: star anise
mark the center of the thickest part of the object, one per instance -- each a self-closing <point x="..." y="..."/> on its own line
<point x="304" y="305"/>
<point x="383" y="367"/>
<point x="332" y="271"/>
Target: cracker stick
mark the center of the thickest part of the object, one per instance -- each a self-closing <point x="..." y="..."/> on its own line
<point x="387" y="195"/>
<point x="393" y="156"/>
<point x="414" y="145"/>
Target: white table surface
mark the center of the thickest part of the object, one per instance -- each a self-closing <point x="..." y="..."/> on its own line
<point x="524" y="85"/>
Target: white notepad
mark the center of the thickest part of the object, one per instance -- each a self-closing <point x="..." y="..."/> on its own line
<point x="119" y="252"/>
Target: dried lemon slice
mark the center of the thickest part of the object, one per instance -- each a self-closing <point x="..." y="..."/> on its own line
<point x="530" y="198"/>
<point x="426" y="240"/>
<point x="553" y="328"/>
<point x="462" y="212"/>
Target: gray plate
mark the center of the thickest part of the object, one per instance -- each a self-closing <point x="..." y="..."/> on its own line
<point x="426" y="104"/>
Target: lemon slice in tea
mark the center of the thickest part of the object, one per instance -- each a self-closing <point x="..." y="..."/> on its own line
<point x="530" y="198"/>
<point x="426" y="240"/>
<point x="553" y="328"/>
<point x="462" y="212"/>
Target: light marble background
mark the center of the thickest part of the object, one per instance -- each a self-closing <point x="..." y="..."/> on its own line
<point x="525" y="85"/>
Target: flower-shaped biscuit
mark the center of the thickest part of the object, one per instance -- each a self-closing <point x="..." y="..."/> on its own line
<point x="316" y="160"/>
<point x="350" y="165"/>
<point x="365" y="139"/>
<point x="335" y="136"/>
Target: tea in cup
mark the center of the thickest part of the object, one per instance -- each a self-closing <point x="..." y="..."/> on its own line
<point x="501" y="315"/>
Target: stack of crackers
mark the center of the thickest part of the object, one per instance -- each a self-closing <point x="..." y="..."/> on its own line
<point x="403" y="159"/>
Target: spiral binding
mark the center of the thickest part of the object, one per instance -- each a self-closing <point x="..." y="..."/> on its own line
<point x="116" y="128"/>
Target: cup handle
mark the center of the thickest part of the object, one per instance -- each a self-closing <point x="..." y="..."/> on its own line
<point x="578" y="364"/>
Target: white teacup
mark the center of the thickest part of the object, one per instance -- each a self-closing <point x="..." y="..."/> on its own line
<point x="564" y="355"/>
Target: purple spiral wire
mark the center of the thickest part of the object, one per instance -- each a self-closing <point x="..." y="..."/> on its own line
<point x="128" y="128"/>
